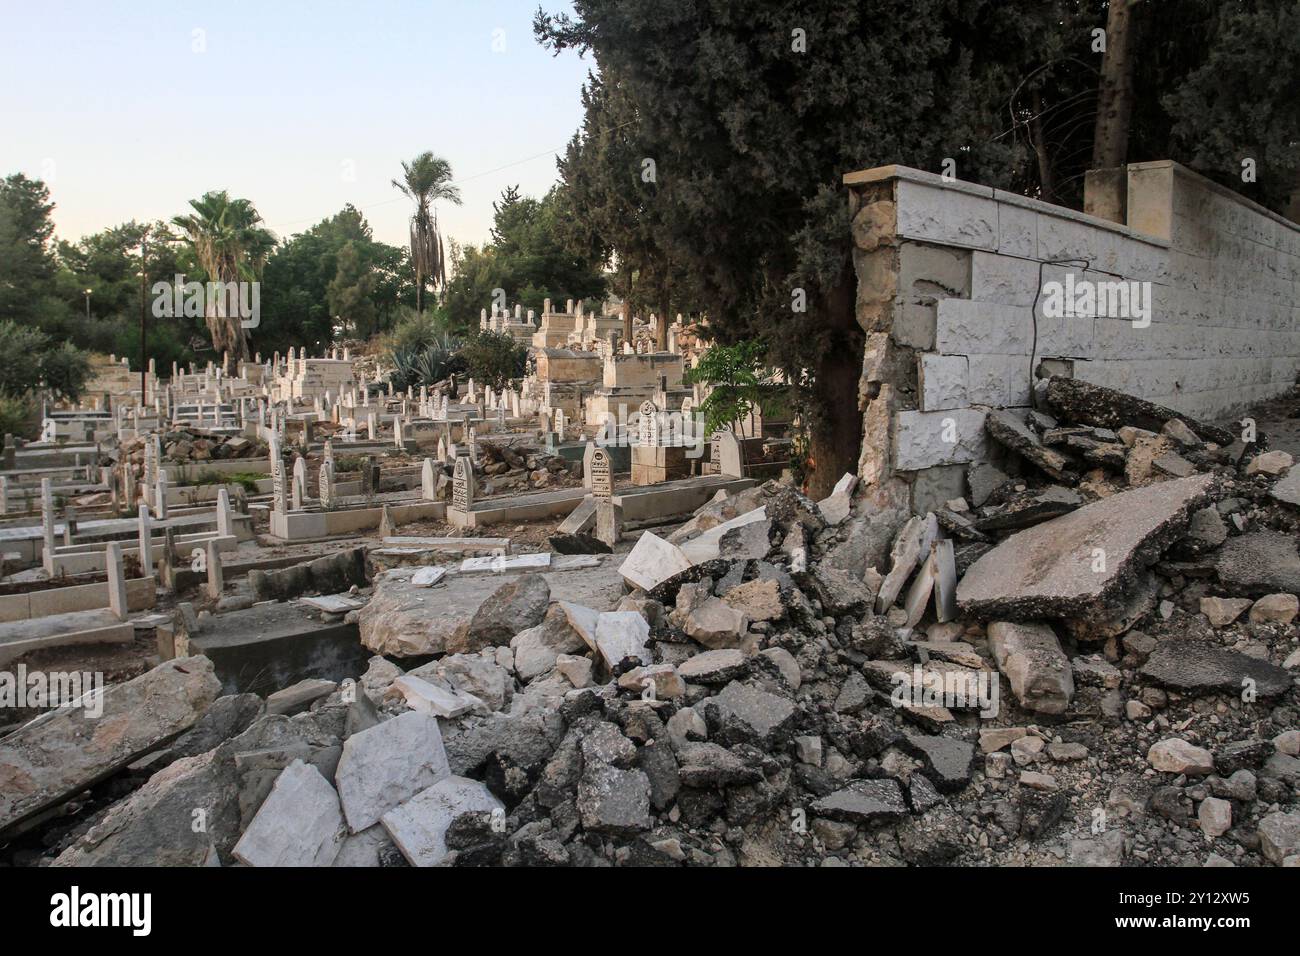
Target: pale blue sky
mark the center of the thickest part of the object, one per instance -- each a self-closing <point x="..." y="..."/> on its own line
<point x="111" y="104"/>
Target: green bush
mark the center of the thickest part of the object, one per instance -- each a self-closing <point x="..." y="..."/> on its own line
<point x="65" y="370"/>
<point x="17" y="417"/>
<point x="493" y="358"/>
<point x="20" y="353"/>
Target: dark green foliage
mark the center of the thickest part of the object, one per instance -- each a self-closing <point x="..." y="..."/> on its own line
<point x="493" y="358"/>
<point x="413" y="367"/>
<point x="526" y="261"/>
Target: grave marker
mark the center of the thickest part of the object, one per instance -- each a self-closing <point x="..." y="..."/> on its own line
<point x="462" y="484"/>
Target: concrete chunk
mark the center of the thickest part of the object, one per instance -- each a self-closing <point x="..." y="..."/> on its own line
<point x="388" y="764"/>
<point x="419" y="826"/>
<point x="1031" y="658"/>
<point x="63" y="751"/>
<point x="652" y="561"/>
<point x="300" y="824"/>
<point x="1082" y="562"/>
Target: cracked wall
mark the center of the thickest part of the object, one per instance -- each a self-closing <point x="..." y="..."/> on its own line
<point x="950" y="295"/>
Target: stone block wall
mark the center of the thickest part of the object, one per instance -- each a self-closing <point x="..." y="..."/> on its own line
<point x="951" y="279"/>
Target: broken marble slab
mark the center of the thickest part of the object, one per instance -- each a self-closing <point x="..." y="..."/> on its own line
<point x="63" y="751"/>
<point x="386" y="765"/>
<point x="1030" y="656"/>
<point x="749" y="544"/>
<point x="419" y="826"/>
<point x="428" y="577"/>
<point x="428" y="698"/>
<point x="622" y="634"/>
<point x="299" y="824"/>
<point x="500" y="563"/>
<point x="1083" y="561"/>
<point x="1013" y="434"/>
<point x="652" y="561"/>
<point x="333" y="603"/>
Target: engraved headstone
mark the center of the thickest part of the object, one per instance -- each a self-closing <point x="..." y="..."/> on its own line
<point x="462" y="484"/>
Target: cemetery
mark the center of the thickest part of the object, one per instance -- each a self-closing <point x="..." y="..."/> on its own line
<point x="741" y="497"/>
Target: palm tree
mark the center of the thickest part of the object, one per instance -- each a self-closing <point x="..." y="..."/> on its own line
<point x="426" y="179"/>
<point x="232" y="246"/>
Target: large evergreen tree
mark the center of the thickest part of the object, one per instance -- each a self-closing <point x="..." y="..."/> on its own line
<point x="748" y="116"/>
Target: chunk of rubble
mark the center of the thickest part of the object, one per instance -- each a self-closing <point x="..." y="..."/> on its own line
<point x="428" y="698"/>
<point x="716" y="624"/>
<point x="864" y="801"/>
<point x="947" y="762"/>
<point x="910" y="544"/>
<point x="1031" y="657"/>
<point x="1029" y="508"/>
<point x="652" y="561"/>
<point x="63" y="751"/>
<point x="1287" y="488"/>
<point x="763" y="713"/>
<point x="1270" y="463"/>
<point x="621" y="635"/>
<point x="388" y="764"/>
<point x="1075" y="400"/>
<point x="299" y="824"/>
<point x="1279" y="836"/>
<point x="714" y="667"/>
<point x="1198" y="667"/>
<point x="1013" y="434"/>
<point x="1084" y="562"/>
<point x="419" y="826"/>
<point x="299" y="696"/>
<point x="1175" y="755"/>
<point x="538" y="648"/>
<point x="837" y="505"/>
<point x="759" y="599"/>
<point x="513" y="607"/>
<point x="1258" y="563"/>
<point x="613" y="801"/>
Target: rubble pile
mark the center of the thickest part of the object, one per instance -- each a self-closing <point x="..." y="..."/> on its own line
<point x="523" y="468"/>
<point x="1088" y="660"/>
<point x="191" y="445"/>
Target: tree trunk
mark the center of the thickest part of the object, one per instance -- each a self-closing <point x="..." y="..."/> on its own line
<point x="1046" y="176"/>
<point x="835" y="429"/>
<point x="661" y="327"/>
<point x="1115" y="94"/>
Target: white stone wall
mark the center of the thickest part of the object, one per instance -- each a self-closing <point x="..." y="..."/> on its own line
<point x="1225" y="301"/>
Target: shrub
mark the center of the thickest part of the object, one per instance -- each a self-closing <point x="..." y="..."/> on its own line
<point x="493" y="358"/>
<point x="17" y="417"/>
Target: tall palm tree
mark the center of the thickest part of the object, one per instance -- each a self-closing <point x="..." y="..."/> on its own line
<point x="426" y="179"/>
<point x="231" y="245"/>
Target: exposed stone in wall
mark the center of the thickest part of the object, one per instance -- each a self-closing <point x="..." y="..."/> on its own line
<point x="950" y="291"/>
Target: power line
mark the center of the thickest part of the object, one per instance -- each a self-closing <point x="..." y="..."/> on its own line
<point x="464" y="179"/>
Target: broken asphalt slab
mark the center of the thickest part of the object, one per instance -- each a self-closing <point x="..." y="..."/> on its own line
<point x="1085" y="561"/>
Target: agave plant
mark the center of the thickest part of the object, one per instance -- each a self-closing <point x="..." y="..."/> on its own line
<point x="414" y="367"/>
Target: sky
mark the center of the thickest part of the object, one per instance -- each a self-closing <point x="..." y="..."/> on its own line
<point x="128" y="109"/>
